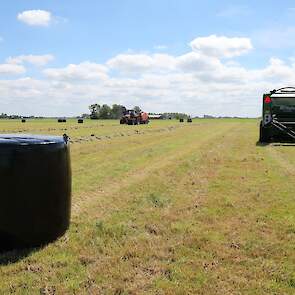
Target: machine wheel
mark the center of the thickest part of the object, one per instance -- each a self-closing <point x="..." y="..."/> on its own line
<point x="263" y="134"/>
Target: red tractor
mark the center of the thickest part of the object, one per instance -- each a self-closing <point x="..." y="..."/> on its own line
<point x="131" y="117"/>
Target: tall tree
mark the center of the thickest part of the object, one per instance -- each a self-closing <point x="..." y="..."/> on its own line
<point x="117" y="111"/>
<point x="104" y="112"/>
<point x="94" y="111"/>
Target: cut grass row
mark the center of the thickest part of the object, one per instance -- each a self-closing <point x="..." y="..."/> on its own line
<point x="193" y="210"/>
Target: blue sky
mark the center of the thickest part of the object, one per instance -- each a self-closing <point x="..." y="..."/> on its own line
<point x="92" y="34"/>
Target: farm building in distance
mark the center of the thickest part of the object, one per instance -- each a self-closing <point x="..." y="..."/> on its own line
<point x="156" y="117"/>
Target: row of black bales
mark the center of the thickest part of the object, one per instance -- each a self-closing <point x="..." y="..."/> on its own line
<point x="35" y="173"/>
<point x="80" y="121"/>
<point x="189" y="120"/>
<point x="58" y="120"/>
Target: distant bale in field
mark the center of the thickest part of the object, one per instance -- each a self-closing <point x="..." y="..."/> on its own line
<point x="189" y="120"/>
<point x="23" y="120"/>
<point x="80" y="121"/>
<point x="181" y="120"/>
<point x="59" y="120"/>
<point x="64" y="120"/>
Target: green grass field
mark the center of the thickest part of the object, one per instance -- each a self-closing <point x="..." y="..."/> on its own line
<point x="166" y="208"/>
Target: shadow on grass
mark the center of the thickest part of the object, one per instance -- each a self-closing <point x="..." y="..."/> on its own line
<point x="273" y="143"/>
<point x="9" y="256"/>
<point x="259" y="143"/>
<point x="12" y="251"/>
<point x="283" y="144"/>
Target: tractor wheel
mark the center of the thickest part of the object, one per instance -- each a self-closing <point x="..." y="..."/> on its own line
<point x="263" y="134"/>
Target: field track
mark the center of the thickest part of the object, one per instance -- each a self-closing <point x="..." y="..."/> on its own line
<point x="166" y="208"/>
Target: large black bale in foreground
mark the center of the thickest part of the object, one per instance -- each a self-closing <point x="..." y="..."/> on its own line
<point x="35" y="192"/>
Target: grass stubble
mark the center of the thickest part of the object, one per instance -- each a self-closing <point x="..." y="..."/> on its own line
<point x="167" y="208"/>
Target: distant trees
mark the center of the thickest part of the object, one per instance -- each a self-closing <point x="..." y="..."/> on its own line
<point x="94" y="111"/>
<point x="84" y="116"/>
<point x="116" y="111"/>
<point x="106" y="112"/>
<point x="5" y="116"/>
<point x="176" y="116"/>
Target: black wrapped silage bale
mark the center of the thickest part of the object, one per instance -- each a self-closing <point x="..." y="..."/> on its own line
<point x="23" y="120"/>
<point x="35" y="200"/>
<point x="181" y="120"/>
<point x="80" y="121"/>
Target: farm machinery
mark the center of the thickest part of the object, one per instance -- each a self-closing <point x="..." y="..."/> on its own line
<point x="278" y="116"/>
<point x="132" y="117"/>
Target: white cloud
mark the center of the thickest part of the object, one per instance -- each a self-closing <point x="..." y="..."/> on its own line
<point x="11" y="69"/>
<point x="221" y="46"/>
<point x="38" y="60"/>
<point x="197" y="62"/>
<point x="195" y="82"/>
<point x="136" y="63"/>
<point x="277" y="70"/>
<point x="82" y="71"/>
<point x="35" y="17"/>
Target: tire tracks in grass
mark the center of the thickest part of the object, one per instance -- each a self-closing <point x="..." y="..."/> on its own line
<point x="284" y="164"/>
<point x="104" y="205"/>
<point x="142" y="276"/>
<point x="94" y="160"/>
<point x="140" y="173"/>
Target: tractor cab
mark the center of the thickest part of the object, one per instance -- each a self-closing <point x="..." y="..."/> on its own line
<point x="131" y="113"/>
<point x="278" y="115"/>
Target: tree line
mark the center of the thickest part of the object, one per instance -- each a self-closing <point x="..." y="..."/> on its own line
<point x="108" y="112"/>
<point x="116" y="111"/>
<point x="176" y="116"/>
<point x="5" y="116"/>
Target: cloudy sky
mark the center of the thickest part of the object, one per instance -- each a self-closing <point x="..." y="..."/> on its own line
<point x="199" y="57"/>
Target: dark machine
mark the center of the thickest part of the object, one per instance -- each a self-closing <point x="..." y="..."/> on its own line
<point x="278" y="116"/>
<point x="131" y="117"/>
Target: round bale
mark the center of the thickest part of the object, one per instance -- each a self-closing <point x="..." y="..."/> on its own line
<point x="35" y="201"/>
